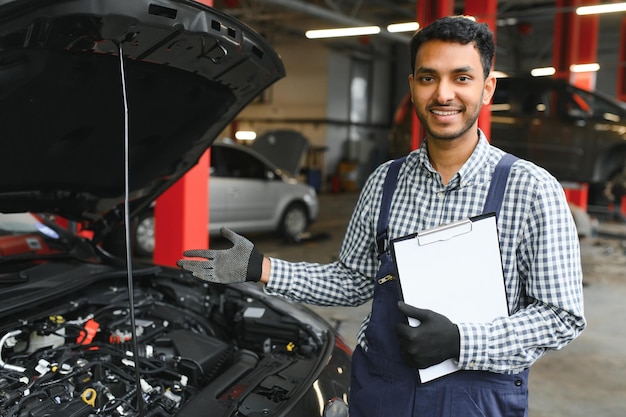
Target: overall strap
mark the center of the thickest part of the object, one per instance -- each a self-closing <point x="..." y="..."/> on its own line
<point x="385" y="205"/>
<point x="498" y="184"/>
<point x="492" y="203"/>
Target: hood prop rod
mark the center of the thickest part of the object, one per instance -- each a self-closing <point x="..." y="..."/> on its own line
<point x="129" y="268"/>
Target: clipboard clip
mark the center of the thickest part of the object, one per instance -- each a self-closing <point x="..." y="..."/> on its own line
<point x="386" y="278"/>
<point x="444" y="232"/>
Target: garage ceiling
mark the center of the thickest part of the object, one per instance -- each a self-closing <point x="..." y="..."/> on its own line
<point x="291" y="18"/>
<point x="524" y="34"/>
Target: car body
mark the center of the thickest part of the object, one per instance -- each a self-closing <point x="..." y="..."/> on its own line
<point x="579" y="136"/>
<point x="247" y="193"/>
<point x="103" y="106"/>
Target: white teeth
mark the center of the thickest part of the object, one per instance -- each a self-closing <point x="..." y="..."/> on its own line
<point x="444" y="113"/>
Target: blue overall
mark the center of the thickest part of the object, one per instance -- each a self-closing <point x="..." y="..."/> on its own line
<point x="382" y="385"/>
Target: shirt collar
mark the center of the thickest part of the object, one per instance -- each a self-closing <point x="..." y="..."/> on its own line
<point x="470" y="168"/>
<point x="477" y="161"/>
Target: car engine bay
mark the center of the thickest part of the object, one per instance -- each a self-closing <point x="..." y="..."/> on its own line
<point x="200" y="347"/>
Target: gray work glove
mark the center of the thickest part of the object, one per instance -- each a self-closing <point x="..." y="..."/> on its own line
<point x="239" y="263"/>
<point x="433" y="341"/>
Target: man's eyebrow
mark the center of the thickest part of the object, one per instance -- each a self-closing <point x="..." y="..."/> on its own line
<point x="426" y="70"/>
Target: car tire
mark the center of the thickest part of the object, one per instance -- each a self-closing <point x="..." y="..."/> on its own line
<point x="294" y="222"/>
<point x="143" y="235"/>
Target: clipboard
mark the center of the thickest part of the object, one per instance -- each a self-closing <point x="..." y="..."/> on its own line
<point x="455" y="270"/>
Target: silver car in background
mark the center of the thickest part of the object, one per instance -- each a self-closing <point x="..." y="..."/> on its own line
<point x="247" y="193"/>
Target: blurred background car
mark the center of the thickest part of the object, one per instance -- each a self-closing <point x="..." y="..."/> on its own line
<point x="247" y="193"/>
<point x="577" y="135"/>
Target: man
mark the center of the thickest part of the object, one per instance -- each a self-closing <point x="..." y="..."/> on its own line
<point x="445" y="180"/>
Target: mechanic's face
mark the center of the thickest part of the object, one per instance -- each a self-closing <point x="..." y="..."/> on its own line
<point x="448" y="89"/>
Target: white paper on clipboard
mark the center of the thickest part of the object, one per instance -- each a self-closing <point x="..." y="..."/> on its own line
<point x="455" y="270"/>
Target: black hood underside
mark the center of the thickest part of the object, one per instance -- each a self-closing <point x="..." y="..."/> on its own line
<point x="187" y="70"/>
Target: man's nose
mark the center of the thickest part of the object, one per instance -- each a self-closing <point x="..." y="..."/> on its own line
<point x="444" y="92"/>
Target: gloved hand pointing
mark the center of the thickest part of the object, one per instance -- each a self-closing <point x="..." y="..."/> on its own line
<point x="433" y="341"/>
<point x="242" y="262"/>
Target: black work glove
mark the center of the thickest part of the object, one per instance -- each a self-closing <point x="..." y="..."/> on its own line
<point x="433" y="341"/>
<point x="242" y="262"/>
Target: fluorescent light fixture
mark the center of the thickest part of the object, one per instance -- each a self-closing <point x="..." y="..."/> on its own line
<point x="509" y="21"/>
<point x="403" y="27"/>
<point x="601" y="8"/>
<point x="501" y="107"/>
<point x="245" y="135"/>
<point x="342" y="32"/>
<point x="542" y="72"/>
<point x="584" y="67"/>
<point x="499" y="74"/>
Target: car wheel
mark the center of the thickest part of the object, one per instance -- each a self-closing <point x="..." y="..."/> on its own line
<point x="143" y="237"/>
<point x="294" y="221"/>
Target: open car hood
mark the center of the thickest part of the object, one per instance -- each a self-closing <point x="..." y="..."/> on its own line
<point x="187" y="69"/>
<point x="284" y="148"/>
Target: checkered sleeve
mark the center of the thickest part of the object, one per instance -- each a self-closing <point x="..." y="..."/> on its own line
<point x="348" y="281"/>
<point x="543" y="276"/>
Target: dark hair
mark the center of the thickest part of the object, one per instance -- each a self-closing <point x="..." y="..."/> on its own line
<point x="459" y="29"/>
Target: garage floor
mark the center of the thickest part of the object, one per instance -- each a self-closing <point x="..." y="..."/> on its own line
<point x="587" y="378"/>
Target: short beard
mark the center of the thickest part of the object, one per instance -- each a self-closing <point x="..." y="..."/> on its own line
<point x="453" y="135"/>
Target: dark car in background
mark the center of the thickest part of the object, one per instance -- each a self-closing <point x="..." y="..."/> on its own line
<point x="578" y="136"/>
<point x="103" y="106"/>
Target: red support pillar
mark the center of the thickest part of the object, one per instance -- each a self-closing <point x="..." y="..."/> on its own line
<point x="181" y="214"/>
<point x="587" y="52"/>
<point x="485" y="11"/>
<point x="427" y="11"/>
<point x="430" y="10"/>
<point x="565" y="41"/>
<point x="575" y="42"/>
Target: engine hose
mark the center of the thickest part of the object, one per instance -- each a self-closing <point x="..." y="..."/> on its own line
<point x="3" y="364"/>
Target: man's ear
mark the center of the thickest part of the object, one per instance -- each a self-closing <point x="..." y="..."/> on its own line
<point x="489" y="89"/>
<point x="411" y="87"/>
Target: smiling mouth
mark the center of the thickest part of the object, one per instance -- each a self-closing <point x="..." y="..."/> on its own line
<point x="445" y="113"/>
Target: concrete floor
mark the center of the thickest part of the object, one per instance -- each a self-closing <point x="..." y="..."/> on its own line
<point x="587" y="378"/>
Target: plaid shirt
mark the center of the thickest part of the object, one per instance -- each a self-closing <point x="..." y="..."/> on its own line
<point x="538" y="241"/>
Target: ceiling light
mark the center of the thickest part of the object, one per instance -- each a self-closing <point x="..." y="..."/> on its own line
<point x="403" y="27"/>
<point x="500" y="107"/>
<point x="509" y="21"/>
<point x="601" y="8"/>
<point x="245" y="135"/>
<point x="499" y="74"/>
<point x="342" y="32"/>
<point x="542" y="72"/>
<point x="584" y="67"/>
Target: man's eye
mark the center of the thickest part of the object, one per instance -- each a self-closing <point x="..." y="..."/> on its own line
<point x="426" y="79"/>
<point x="463" y="78"/>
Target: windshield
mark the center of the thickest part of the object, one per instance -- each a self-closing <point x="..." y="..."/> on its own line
<point x="598" y="107"/>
